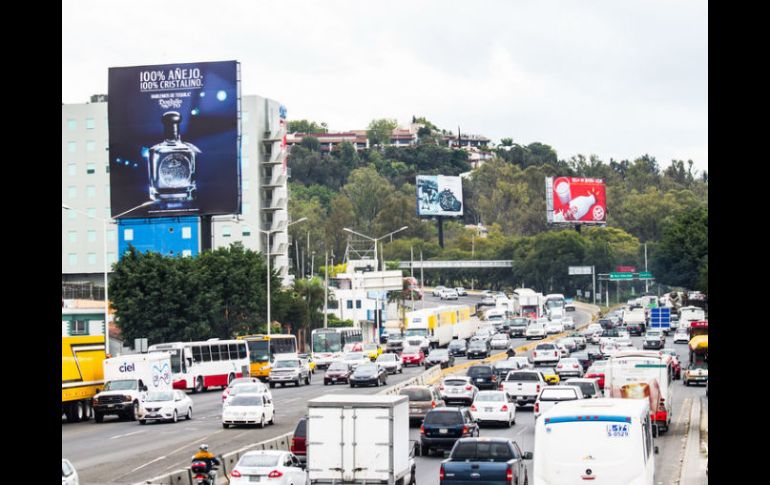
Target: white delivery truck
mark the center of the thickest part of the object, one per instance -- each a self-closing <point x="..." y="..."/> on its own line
<point x="359" y="439"/>
<point x="689" y="314"/>
<point x="126" y="379"/>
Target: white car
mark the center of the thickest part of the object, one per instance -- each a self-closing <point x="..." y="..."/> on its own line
<point x="563" y="350"/>
<point x="391" y="363"/>
<point x="569" y="323"/>
<point x="569" y="368"/>
<point x="68" y="474"/>
<point x="461" y="291"/>
<point x="500" y="341"/>
<point x="268" y="466"/>
<point x="247" y="388"/>
<point x="569" y="307"/>
<point x="448" y="294"/>
<point x="437" y="290"/>
<point x="457" y="389"/>
<point x="165" y="406"/>
<point x="552" y="395"/>
<point x="554" y="326"/>
<point x="494" y="406"/>
<point x="354" y="358"/>
<point x="249" y="409"/>
<point x="235" y="382"/>
<point x="521" y="361"/>
<point x="535" y="330"/>
<point x="681" y="336"/>
<point x="546" y="353"/>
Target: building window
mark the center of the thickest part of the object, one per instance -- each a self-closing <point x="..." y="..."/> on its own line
<point x="72" y="215"/>
<point x="90" y="168"/>
<point x="107" y="191"/>
<point x="187" y="253"/>
<point x="72" y="125"/>
<point x="72" y="236"/>
<point x="226" y="231"/>
<point x="72" y="169"/>
<point x="90" y="191"/>
<point x="79" y="327"/>
<point x="246" y="231"/>
<point x="111" y="258"/>
<point x="72" y="146"/>
<point x="245" y="161"/>
<point x="128" y="234"/>
<point x="90" y="146"/>
<point x="107" y="168"/>
<point x="73" y="259"/>
<point x="72" y="192"/>
<point x="186" y="232"/>
<point x="245" y="185"/>
<point x="90" y="125"/>
<point x="91" y="259"/>
<point x="91" y="212"/>
<point x="245" y="116"/>
<point x="111" y="235"/>
<point x="91" y="236"/>
<point x="246" y="208"/>
<point x="350" y="304"/>
<point x="358" y="304"/>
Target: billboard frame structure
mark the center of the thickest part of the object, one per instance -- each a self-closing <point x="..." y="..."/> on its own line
<point x="438" y="192"/>
<point x="582" y="199"/>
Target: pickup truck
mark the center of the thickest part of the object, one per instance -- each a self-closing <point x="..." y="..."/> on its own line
<point x="491" y="461"/>
<point x="524" y="386"/>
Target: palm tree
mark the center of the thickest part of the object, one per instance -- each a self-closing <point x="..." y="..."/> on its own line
<point x="311" y="291"/>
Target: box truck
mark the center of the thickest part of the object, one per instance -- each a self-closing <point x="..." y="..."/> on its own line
<point x="359" y="439"/>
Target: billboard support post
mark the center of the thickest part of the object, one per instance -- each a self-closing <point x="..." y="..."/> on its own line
<point x="440" y="231"/>
<point x="207" y="233"/>
<point x="593" y="277"/>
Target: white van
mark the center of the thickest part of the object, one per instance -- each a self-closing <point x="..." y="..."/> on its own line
<point x="607" y="441"/>
<point x="495" y="314"/>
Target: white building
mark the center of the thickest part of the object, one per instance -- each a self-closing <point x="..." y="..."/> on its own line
<point x="85" y="187"/>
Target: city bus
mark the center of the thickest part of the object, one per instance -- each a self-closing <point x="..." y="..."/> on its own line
<point x="263" y="349"/>
<point x="200" y="365"/>
<point x="327" y="343"/>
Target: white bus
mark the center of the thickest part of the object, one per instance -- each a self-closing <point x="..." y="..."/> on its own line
<point x="326" y="344"/>
<point x="554" y="305"/>
<point x="200" y="365"/>
<point x="598" y="441"/>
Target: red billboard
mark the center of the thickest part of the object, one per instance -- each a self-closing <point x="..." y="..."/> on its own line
<point x="625" y="269"/>
<point x="576" y="200"/>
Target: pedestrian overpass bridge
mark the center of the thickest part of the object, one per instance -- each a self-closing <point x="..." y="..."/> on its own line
<point x="498" y="263"/>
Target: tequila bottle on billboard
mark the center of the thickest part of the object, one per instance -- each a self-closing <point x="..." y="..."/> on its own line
<point x="172" y="163"/>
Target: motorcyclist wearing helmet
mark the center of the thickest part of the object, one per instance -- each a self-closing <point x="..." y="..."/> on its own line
<point x="204" y="455"/>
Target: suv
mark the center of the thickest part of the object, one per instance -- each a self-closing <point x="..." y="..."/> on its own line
<point x="421" y="400"/>
<point x="442" y="427"/>
<point x="289" y="370"/>
<point x="458" y="389"/>
<point x="553" y="395"/>
<point x="634" y="329"/>
<point x="654" y="339"/>
<point x="589" y="387"/>
<point x="299" y="440"/>
<point x="478" y="348"/>
<point x="546" y="353"/>
<point x="483" y="376"/>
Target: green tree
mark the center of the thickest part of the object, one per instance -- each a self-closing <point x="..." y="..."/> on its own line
<point x="367" y="191"/>
<point x="305" y="126"/>
<point x="341" y="215"/>
<point x="506" y="142"/>
<point x="311" y="293"/>
<point x="380" y="131"/>
<point x="681" y="256"/>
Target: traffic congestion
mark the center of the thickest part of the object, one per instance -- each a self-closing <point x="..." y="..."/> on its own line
<point x="495" y="386"/>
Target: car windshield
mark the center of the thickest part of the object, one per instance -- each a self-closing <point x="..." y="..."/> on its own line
<point x="417" y="394"/>
<point x="338" y="366"/>
<point x="241" y="380"/>
<point x="478" y="344"/>
<point x="244" y="388"/>
<point x="366" y="369"/>
<point x="580" y="355"/>
<point x="457" y="344"/>
<point x="156" y="396"/>
<point x="386" y="358"/>
<point x="500" y="336"/>
<point x="439" y="354"/>
<point x="411" y="350"/>
<point x="246" y="401"/>
<point x="518" y="322"/>
<point x="588" y="388"/>
<point x="455" y="382"/>
<point x="258" y="460"/>
<point x="444" y="417"/>
<point x="545" y="347"/>
<point x="479" y="370"/>
<point x="370" y="346"/>
<point x="121" y="385"/>
<point x="545" y="370"/>
<point x="286" y="364"/>
<point x="523" y="376"/>
<point x="557" y="394"/>
<point x="536" y="326"/>
<point x="491" y="397"/>
<point x="354" y="356"/>
<point x="421" y="332"/>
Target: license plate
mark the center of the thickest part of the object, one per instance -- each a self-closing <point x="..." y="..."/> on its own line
<point x="443" y="431"/>
<point x="255" y="478"/>
<point x="334" y="379"/>
<point x="111" y="405"/>
<point x="519" y="398"/>
<point x="487" y="410"/>
<point x="455" y="391"/>
<point x="414" y="410"/>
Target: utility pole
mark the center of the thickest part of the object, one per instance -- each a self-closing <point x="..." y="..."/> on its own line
<point x="326" y="289"/>
<point x="593" y="276"/>
<point x="473" y="254"/>
<point x="646" y="289"/>
<point x="422" y="283"/>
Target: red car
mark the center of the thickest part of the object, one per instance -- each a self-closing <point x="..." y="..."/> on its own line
<point x="412" y="356"/>
<point x="299" y="440"/>
<point x="676" y="366"/>
<point x="597" y="375"/>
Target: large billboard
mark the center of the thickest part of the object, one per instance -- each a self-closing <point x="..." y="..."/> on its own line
<point x="576" y="200"/>
<point x="439" y="195"/>
<point x="175" y="139"/>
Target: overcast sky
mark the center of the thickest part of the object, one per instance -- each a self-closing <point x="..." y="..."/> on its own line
<point x="612" y="78"/>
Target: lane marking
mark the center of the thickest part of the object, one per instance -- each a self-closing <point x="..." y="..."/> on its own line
<point x="522" y="430"/>
<point x="127" y="434"/>
<point x="148" y="463"/>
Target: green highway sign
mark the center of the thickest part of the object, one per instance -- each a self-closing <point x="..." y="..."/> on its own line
<point x="621" y="276"/>
<point x="645" y="274"/>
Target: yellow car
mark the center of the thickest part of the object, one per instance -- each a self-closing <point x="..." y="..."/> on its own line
<point x="372" y="350"/>
<point x="551" y="377"/>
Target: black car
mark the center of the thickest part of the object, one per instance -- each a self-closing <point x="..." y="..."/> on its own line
<point x="635" y="329"/>
<point x="366" y="374"/>
<point x="610" y="332"/>
<point x="478" y="349"/>
<point x="457" y="347"/>
<point x="584" y="358"/>
<point x="518" y="327"/>
<point x="483" y="376"/>
<point x="606" y="323"/>
<point x="442" y="427"/>
<point x="440" y="357"/>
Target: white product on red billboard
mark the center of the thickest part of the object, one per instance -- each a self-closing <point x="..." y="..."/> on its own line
<point x="576" y="199"/>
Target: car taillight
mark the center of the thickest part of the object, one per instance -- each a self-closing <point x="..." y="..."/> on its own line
<point x="537" y="407"/>
<point x="537" y="388"/>
<point x="556" y="353"/>
<point x="275" y="474"/>
<point x="465" y="430"/>
<point x="468" y="388"/>
<point x="534" y="353"/>
<point x="235" y="473"/>
<point x="504" y="408"/>
<point x="559" y="366"/>
<point x="473" y="407"/>
<point x="441" y="473"/>
<point x="509" y="474"/>
<point x="494" y="378"/>
<point x="440" y="388"/>
<point x="422" y="429"/>
<point x="433" y="404"/>
<point x="574" y="366"/>
<point x="500" y="387"/>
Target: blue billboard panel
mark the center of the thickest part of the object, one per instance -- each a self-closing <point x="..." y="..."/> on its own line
<point x="169" y="236"/>
<point x="175" y="139"/>
<point x="660" y="318"/>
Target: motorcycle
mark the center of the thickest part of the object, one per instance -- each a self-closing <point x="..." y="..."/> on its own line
<point x="201" y="476"/>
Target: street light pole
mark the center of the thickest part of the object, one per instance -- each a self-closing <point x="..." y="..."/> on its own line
<point x="376" y="240"/>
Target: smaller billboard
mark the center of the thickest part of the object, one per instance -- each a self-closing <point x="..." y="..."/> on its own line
<point x="576" y="200"/>
<point x="439" y="195"/>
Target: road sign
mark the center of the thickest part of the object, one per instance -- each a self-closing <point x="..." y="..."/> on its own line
<point x="645" y="275"/>
<point x="579" y="293"/>
<point x="625" y="269"/>
<point x="577" y="270"/>
<point x="660" y="318"/>
<point x="621" y="276"/>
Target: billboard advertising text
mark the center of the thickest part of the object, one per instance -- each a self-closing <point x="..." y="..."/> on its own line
<point x="174" y="139"/>
<point x="439" y="195"/>
<point x="576" y="199"/>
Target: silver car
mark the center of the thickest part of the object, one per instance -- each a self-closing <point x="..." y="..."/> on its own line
<point x="458" y="389"/>
<point x="391" y="363"/>
<point x="499" y="341"/>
